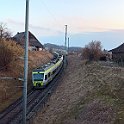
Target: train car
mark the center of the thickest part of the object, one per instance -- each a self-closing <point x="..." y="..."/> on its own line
<point x="43" y="75"/>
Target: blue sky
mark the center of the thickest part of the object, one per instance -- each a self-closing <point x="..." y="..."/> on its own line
<point x="87" y="20"/>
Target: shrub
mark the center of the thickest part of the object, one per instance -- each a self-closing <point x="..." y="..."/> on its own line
<point x="92" y="51"/>
<point x="4" y="32"/>
<point x="5" y="55"/>
<point x="9" y="51"/>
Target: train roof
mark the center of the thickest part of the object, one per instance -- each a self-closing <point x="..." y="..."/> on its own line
<point x="47" y="66"/>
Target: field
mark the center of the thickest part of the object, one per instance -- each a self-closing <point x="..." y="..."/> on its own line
<point x="89" y="93"/>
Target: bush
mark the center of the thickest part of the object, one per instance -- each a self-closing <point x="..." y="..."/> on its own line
<point x="5" y="55"/>
<point x="9" y="51"/>
<point x="92" y="51"/>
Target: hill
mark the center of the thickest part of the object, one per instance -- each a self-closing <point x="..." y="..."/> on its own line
<point x="11" y="87"/>
<point x="57" y="47"/>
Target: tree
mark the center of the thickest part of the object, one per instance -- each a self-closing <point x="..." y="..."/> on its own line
<point x="92" y="51"/>
<point x="4" y="32"/>
<point x="6" y="54"/>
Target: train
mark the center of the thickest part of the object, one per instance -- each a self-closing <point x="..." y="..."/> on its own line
<point x="43" y="75"/>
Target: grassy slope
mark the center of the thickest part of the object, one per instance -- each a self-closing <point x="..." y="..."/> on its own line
<point x="104" y="100"/>
<point x="10" y="90"/>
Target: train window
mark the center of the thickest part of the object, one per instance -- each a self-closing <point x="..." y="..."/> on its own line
<point x="49" y="74"/>
<point x="38" y="77"/>
<point x="45" y="77"/>
<point x="54" y="71"/>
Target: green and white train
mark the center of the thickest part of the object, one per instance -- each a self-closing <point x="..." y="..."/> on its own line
<point x="43" y="75"/>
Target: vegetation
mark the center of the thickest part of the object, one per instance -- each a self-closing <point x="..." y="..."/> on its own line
<point x="9" y="51"/>
<point x="6" y="47"/>
<point x="92" y="51"/>
<point x="4" y="32"/>
<point x="103" y="101"/>
<point x="12" y="65"/>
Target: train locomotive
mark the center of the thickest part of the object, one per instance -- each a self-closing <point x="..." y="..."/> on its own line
<point x="44" y="74"/>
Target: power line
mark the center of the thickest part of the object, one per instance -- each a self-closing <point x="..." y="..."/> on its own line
<point x="51" y="14"/>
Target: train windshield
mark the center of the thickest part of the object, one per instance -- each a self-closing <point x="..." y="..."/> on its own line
<point x="38" y="77"/>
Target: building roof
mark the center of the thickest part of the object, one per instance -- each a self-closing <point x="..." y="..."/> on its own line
<point x="119" y="49"/>
<point x="33" y="41"/>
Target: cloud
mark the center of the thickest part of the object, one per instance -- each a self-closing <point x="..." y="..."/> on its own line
<point x="51" y="31"/>
<point x="109" y="39"/>
<point x="13" y="22"/>
<point x="79" y="35"/>
<point x="34" y="28"/>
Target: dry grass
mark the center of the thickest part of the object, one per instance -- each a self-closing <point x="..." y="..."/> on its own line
<point x="10" y="90"/>
<point x="88" y="94"/>
<point x="9" y="52"/>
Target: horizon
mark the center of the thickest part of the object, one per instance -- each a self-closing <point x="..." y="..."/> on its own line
<point x="87" y="20"/>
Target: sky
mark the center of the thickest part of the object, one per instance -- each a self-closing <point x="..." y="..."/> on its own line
<point x="87" y="20"/>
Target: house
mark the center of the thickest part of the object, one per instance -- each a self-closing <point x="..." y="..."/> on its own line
<point x="118" y="53"/>
<point x="106" y="56"/>
<point x="34" y="44"/>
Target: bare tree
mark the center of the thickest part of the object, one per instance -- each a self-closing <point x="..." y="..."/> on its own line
<point x="4" y="32"/>
<point x="6" y="54"/>
<point x="92" y="51"/>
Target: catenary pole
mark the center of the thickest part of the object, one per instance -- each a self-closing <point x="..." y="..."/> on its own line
<point x="26" y="62"/>
<point x="65" y="45"/>
<point x="66" y="38"/>
<point x="68" y="44"/>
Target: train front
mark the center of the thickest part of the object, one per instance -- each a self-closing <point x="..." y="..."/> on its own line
<point x="37" y="78"/>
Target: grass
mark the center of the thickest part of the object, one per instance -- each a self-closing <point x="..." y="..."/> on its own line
<point x="105" y="89"/>
<point x="5" y="103"/>
<point x="108" y="100"/>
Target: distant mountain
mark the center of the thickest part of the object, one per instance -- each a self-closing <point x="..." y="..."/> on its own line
<point x="49" y="46"/>
<point x="75" y="49"/>
<point x="53" y="46"/>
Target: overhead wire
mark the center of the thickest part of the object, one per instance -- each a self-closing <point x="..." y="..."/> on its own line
<point x="52" y="15"/>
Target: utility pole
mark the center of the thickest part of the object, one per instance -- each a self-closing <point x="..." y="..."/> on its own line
<point x="65" y="46"/>
<point x="66" y="38"/>
<point x="26" y="63"/>
<point x="68" y="44"/>
<point x="1" y="34"/>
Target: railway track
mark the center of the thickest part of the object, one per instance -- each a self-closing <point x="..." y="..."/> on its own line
<point x="36" y="99"/>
